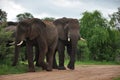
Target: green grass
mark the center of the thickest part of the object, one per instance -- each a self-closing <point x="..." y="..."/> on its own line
<point x="93" y="63"/>
<point x="22" y="67"/>
<point x="118" y="78"/>
<point x="8" y="69"/>
<point x="96" y="63"/>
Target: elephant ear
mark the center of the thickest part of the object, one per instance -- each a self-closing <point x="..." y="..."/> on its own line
<point x="61" y="26"/>
<point x="37" y="29"/>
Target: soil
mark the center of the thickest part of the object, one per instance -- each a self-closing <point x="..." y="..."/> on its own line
<point x="81" y="72"/>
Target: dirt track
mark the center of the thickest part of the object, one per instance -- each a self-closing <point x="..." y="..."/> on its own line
<point x="82" y="72"/>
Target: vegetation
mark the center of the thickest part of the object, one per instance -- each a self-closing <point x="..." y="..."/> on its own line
<point x="118" y="78"/>
<point x="49" y="18"/>
<point x="24" y="16"/>
<point x="102" y="39"/>
<point x="3" y="16"/>
<point x="101" y="45"/>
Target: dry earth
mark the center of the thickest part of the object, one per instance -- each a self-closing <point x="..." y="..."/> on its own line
<point x="82" y="72"/>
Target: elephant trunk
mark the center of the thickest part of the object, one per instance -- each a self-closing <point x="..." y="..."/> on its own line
<point x="16" y="55"/>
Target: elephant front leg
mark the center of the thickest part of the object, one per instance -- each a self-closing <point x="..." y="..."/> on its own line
<point x="61" y="48"/>
<point x="71" y="53"/>
<point x="71" y="64"/>
<point x="30" y="58"/>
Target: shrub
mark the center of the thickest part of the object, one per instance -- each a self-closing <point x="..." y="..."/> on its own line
<point x="5" y="52"/>
<point x="83" y="51"/>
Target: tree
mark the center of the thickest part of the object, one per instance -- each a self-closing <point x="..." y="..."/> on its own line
<point x="94" y="30"/>
<point x="115" y="19"/>
<point x="24" y="16"/>
<point x="49" y="18"/>
<point x="3" y="16"/>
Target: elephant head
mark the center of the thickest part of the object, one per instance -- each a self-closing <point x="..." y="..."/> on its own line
<point x="71" y="30"/>
<point x="27" y="30"/>
<point x="68" y="29"/>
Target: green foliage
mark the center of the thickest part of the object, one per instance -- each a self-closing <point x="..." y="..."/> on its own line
<point x="8" y="69"/>
<point x="5" y="52"/>
<point x="49" y="18"/>
<point x="24" y="16"/>
<point x="115" y="18"/>
<point x="103" y="41"/>
<point x="83" y="51"/>
<point x="90" y="62"/>
<point x="3" y="16"/>
<point x="118" y="78"/>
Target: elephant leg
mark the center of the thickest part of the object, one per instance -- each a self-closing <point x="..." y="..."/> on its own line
<point x="61" y="48"/>
<point x="54" y="61"/>
<point x="50" y="55"/>
<point x="30" y="57"/>
<point x="36" y="56"/>
<point x="41" y="62"/>
<point x="71" y="64"/>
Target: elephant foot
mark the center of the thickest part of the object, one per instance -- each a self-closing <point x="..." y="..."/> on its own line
<point x="49" y="69"/>
<point x="37" y="65"/>
<point x="31" y="70"/>
<point x="71" y="67"/>
<point x="55" y="67"/>
<point x="61" y="68"/>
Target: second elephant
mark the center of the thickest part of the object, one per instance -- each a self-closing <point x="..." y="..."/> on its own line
<point x="68" y="32"/>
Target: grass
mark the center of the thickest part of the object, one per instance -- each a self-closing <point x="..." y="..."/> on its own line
<point x="118" y="78"/>
<point x="93" y="63"/>
<point x="96" y="63"/>
<point x="22" y="67"/>
<point x="8" y="69"/>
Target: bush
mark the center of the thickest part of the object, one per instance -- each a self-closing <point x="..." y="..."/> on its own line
<point x="83" y="51"/>
<point x="5" y="52"/>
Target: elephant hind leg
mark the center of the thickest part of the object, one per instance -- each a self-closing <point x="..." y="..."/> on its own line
<point x="41" y="62"/>
<point x="49" y="56"/>
<point x="55" y="66"/>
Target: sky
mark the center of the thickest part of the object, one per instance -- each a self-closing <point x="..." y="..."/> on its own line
<point x="57" y="8"/>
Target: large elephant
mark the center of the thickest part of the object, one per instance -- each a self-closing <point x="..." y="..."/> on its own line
<point x="68" y="35"/>
<point x="42" y="35"/>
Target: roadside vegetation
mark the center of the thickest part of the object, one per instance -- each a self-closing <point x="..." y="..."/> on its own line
<point x="100" y="47"/>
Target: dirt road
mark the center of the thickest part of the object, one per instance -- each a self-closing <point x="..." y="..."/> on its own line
<point x="82" y="72"/>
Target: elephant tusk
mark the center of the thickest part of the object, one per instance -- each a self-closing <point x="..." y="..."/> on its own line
<point x="12" y="43"/>
<point x="68" y="39"/>
<point x="20" y="43"/>
<point x="82" y="39"/>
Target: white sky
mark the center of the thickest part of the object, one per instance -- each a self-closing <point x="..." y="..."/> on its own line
<point x="57" y="8"/>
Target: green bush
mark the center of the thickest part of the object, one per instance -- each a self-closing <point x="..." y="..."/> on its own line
<point x="5" y="52"/>
<point x="82" y="51"/>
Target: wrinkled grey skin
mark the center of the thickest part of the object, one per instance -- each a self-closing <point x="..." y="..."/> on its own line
<point x="68" y="35"/>
<point x="42" y="35"/>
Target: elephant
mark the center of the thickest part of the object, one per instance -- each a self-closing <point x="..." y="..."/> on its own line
<point x="42" y="35"/>
<point x="68" y="35"/>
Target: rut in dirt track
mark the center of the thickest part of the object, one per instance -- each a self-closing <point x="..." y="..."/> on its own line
<point x="82" y="72"/>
